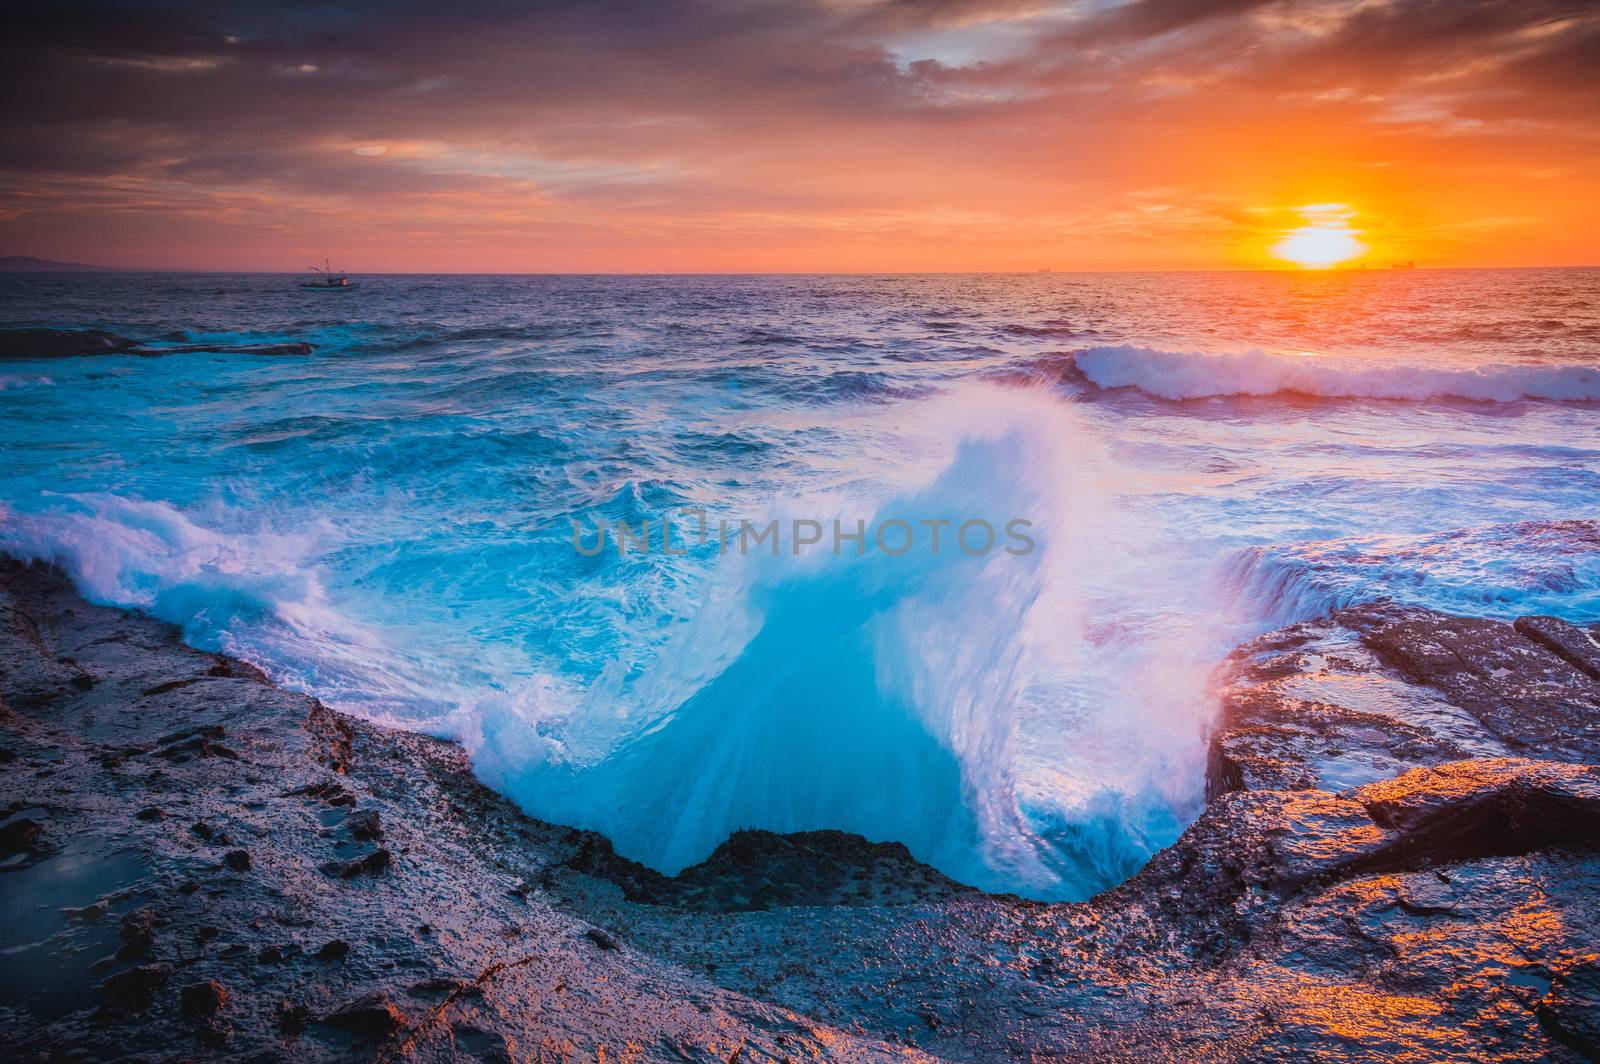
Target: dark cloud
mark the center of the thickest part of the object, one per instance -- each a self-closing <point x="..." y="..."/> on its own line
<point x="782" y="105"/>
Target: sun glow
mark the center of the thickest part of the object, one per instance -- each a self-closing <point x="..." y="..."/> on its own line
<point x="1324" y="241"/>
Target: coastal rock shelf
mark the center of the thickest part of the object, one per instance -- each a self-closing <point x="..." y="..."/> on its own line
<point x="1400" y="860"/>
<point x="19" y="345"/>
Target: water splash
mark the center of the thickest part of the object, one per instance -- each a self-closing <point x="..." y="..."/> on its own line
<point x="930" y="699"/>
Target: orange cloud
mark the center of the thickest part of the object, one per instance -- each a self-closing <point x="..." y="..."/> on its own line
<point x="799" y="135"/>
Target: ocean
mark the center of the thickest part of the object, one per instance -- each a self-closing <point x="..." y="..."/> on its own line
<point x="406" y="522"/>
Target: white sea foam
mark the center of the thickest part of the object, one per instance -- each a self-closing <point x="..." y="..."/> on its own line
<point x="973" y="708"/>
<point x="386" y="526"/>
<point x="1196" y="375"/>
<point x="255" y="595"/>
<point x="12" y="381"/>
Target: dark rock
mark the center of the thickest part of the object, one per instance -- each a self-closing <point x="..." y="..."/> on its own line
<point x="292" y="1017"/>
<point x="89" y="914"/>
<point x="202" y="731"/>
<point x="18" y="344"/>
<point x="138" y="933"/>
<point x="479" y="1044"/>
<point x="435" y="987"/>
<point x="196" y="746"/>
<point x="294" y="348"/>
<point x="150" y="812"/>
<point x="133" y="988"/>
<point x="1528" y="696"/>
<point x="1571" y="1010"/>
<point x="238" y="860"/>
<point x="212" y="1033"/>
<point x="373" y="1016"/>
<point x="371" y="864"/>
<point x="336" y="950"/>
<point x="83" y="682"/>
<point x="203" y="830"/>
<point x="21" y="344"/>
<point x="203" y="999"/>
<point x="1576" y="646"/>
<point x="23" y="836"/>
<point x="364" y="824"/>
<point x="1379" y="878"/>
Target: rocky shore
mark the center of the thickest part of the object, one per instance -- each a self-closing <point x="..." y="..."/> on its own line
<point x="1399" y="860"/>
<point x="19" y="345"/>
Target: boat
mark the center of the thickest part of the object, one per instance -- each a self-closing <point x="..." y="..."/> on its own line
<point x="329" y="280"/>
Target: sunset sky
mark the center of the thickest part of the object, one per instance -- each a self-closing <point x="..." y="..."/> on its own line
<point x="799" y="135"/>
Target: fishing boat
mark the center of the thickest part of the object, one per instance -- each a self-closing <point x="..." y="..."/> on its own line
<point x="329" y="280"/>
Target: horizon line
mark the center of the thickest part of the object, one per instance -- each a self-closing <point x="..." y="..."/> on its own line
<point x="81" y="268"/>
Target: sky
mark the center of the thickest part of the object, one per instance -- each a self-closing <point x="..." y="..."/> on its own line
<point x="802" y="135"/>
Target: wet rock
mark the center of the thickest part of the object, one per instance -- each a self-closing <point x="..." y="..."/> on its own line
<point x="212" y="1033"/>
<point x="199" y="742"/>
<point x="1576" y="646"/>
<point x="1371" y="692"/>
<point x="292" y="348"/>
<point x="1571" y="1010"/>
<point x="19" y="344"/>
<point x="291" y="1017"/>
<point x="203" y="999"/>
<point x="364" y="825"/>
<point x="23" y="840"/>
<point x="1481" y="808"/>
<point x="28" y="344"/>
<point x="332" y="738"/>
<point x="331" y="792"/>
<point x="1379" y="878"/>
<point x="479" y="1044"/>
<point x="134" y="988"/>
<point x="138" y="934"/>
<point x="1527" y="695"/>
<point x="88" y="914"/>
<point x="435" y="987"/>
<point x="373" y="1016"/>
<point x="371" y="864"/>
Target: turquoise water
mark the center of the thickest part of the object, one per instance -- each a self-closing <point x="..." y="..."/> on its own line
<point x="389" y="522"/>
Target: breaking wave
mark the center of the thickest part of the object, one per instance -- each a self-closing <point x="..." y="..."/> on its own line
<point x="891" y="695"/>
<point x="254" y="595"/>
<point x="1503" y="571"/>
<point x="1197" y="375"/>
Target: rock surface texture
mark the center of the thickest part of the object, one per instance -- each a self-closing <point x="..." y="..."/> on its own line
<point x="1400" y="860"/>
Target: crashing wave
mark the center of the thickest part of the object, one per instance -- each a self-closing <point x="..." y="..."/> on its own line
<point x="1197" y="375"/>
<point x="1503" y="571"/>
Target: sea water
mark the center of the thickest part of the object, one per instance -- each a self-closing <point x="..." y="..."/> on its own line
<point x="403" y="523"/>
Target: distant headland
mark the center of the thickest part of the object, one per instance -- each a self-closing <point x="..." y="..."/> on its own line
<point x="29" y="264"/>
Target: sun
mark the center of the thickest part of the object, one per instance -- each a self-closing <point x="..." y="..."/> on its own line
<point x="1324" y="241"/>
